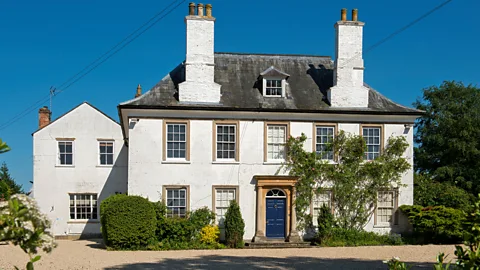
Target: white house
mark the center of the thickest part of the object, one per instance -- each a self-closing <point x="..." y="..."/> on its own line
<point x="213" y="130"/>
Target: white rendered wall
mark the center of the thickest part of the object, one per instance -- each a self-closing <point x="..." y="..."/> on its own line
<point x="148" y="173"/>
<point x="52" y="183"/>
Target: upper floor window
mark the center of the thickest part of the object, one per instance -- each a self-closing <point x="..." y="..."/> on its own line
<point x="176" y="140"/>
<point x="65" y="153"/>
<point x="276" y="137"/>
<point x="106" y="152"/>
<point x="323" y="139"/>
<point x="273" y="88"/>
<point x="372" y="137"/>
<point x="226" y="146"/>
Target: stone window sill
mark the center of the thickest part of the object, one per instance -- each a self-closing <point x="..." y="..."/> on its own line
<point x="225" y="162"/>
<point x="82" y="221"/>
<point x="176" y="162"/>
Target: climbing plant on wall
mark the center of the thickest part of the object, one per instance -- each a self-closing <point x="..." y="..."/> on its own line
<point x="354" y="182"/>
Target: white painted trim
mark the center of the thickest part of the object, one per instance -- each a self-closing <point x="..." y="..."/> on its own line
<point x="98" y="153"/>
<point x="264" y="88"/>
<point x="57" y="163"/>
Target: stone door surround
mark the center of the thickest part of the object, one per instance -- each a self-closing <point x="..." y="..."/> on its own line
<point x="264" y="183"/>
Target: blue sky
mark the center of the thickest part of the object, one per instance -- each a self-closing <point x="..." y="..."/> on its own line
<point x="43" y="43"/>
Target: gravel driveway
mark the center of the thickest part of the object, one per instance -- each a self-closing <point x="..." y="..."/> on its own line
<point x="84" y="254"/>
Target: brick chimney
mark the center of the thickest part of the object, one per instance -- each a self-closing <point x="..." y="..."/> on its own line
<point x="348" y="89"/>
<point x="199" y="86"/>
<point x="44" y="115"/>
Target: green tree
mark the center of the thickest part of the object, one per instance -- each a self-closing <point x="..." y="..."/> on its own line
<point x="354" y="181"/>
<point x="234" y="226"/>
<point x="8" y="186"/>
<point x="448" y="135"/>
<point x="427" y="192"/>
<point x="3" y="147"/>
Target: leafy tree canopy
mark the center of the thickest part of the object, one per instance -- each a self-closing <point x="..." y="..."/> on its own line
<point x="448" y="135"/>
<point x="354" y="182"/>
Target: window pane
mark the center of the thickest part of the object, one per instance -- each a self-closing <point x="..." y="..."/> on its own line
<point x="68" y="159"/>
<point x="110" y="159"/>
<point x="103" y="159"/>
<point x="324" y="139"/>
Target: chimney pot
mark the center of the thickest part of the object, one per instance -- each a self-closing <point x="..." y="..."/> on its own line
<point x="343" y="14"/>
<point x="200" y="10"/>
<point x="354" y="14"/>
<point x="191" y="9"/>
<point x="139" y="91"/>
<point x="44" y="117"/>
<point x="208" y="8"/>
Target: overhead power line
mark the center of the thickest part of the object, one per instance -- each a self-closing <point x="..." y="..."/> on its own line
<point x="97" y="62"/>
<point x="115" y="49"/>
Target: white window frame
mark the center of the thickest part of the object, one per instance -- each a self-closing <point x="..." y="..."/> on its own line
<point x="367" y="137"/>
<point x="216" y="200"/>
<point x="393" y="208"/>
<point x="106" y="153"/>
<point x="173" y="123"/>
<point x="91" y="206"/>
<point x="264" y="81"/>
<point x="317" y="204"/>
<point x="59" y="163"/>
<point x="235" y="153"/>
<point x="317" y="143"/>
<point x="185" y="206"/>
<point x="273" y="125"/>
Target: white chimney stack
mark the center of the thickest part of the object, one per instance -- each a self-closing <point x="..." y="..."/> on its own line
<point x="348" y="89"/>
<point x="199" y="85"/>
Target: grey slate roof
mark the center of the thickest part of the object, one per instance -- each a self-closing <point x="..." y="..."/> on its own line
<point x="239" y="75"/>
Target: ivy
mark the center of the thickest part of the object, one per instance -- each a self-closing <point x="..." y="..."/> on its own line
<point x="354" y="182"/>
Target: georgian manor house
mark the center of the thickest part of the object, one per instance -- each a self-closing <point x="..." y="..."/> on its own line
<point x="214" y="130"/>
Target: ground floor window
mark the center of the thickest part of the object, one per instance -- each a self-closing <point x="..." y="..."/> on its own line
<point x="320" y="199"/>
<point x="176" y="202"/>
<point x="223" y="197"/>
<point x="386" y="206"/>
<point x="83" y="206"/>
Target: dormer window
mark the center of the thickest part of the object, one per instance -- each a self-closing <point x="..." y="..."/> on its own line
<point x="273" y="88"/>
<point x="273" y="82"/>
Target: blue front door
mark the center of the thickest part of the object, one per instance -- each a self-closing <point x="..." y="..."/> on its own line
<point x="275" y="217"/>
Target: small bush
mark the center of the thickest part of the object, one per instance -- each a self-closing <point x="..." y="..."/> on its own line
<point x="175" y="245"/>
<point x="350" y="237"/>
<point x="435" y="225"/>
<point x="209" y="234"/>
<point x="128" y="222"/>
<point x="326" y="223"/>
<point x="200" y="218"/>
<point x="234" y="226"/>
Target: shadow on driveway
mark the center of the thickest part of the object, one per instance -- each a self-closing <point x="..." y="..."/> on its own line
<point x="237" y="263"/>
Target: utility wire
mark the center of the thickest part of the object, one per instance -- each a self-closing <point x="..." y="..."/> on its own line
<point x="35" y="105"/>
<point x="380" y="42"/>
<point x="93" y="65"/>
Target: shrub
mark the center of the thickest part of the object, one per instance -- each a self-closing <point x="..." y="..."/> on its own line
<point x="435" y="224"/>
<point x="352" y="237"/>
<point x="128" y="222"/>
<point x="161" y="214"/>
<point x="200" y="218"/>
<point x="209" y="234"/>
<point x="234" y="226"/>
<point x="176" y="229"/>
<point x="429" y="193"/>
<point x="326" y="223"/>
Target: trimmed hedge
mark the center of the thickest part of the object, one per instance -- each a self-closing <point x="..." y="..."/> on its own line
<point x="128" y="222"/>
<point x="435" y="224"/>
<point x="352" y="238"/>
